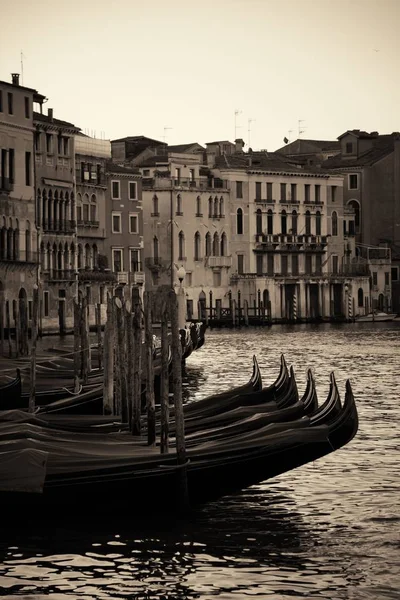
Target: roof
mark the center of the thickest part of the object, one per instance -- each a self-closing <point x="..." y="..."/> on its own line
<point x="182" y="148"/>
<point x="220" y="142"/>
<point x="266" y="161"/>
<point x="152" y="161"/>
<point x="302" y="146"/>
<point x="20" y="87"/>
<point x="382" y="146"/>
<point x="138" y="138"/>
<point x="112" y="167"/>
<point x="359" y="134"/>
<point x="51" y="121"/>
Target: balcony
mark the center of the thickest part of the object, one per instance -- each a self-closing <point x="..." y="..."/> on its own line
<point x="59" y="275"/>
<point x="88" y="223"/>
<point x="137" y="278"/>
<point x="218" y="262"/>
<point x="122" y="277"/>
<point x="295" y="242"/>
<point x="289" y="201"/>
<point x="19" y="257"/>
<point x="154" y="264"/>
<point x="6" y="186"/>
<point x="96" y="274"/>
<point x="168" y="182"/>
<point x="265" y="201"/>
<point x="61" y="228"/>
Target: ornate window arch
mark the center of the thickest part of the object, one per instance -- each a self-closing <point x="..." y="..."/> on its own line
<point x="216" y="247"/>
<point x="208" y="244"/>
<point x="294" y="222"/>
<point x="308" y="223"/>
<point x="197" y="246"/>
<point x="181" y="246"/>
<point x="259" y="221"/>
<point x="355" y="205"/>
<point x="283" y="222"/>
<point x="224" y="244"/>
<point x="239" y="221"/>
<point x="318" y="223"/>
<point x="270" y="222"/>
<point x="198" y="206"/>
<point x="334" y="223"/>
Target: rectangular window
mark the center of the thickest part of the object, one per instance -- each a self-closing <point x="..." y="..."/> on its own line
<point x="270" y="265"/>
<point x="217" y="278"/>
<point x="307" y="192"/>
<point x="177" y="175"/>
<point x="135" y="260"/>
<point x="239" y="189"/>
<point x="49" y="143"/>
<point x="11" y="165"/>
<point x="10" y="98"/>
<point x="116" y="223"/>
<point x="132" y="190"/>
<point x="295" y="264"/>
<point x="98" y="169"/>
<point x="93" y="213"/>
<point x="115" y="192"/>
<point x="333" y="192"/>
<point x="375" y="278"/>
<point x="86" y="212"/>
<point x="269" y="192"/>
<point x="395" y="273"/>
<point x="146" y="172"/>
<point x="293" y="192"/>
<point x="1" y="101"/>
<point x="66" y="144"/>
<point x="258" y="190"/>
<point x="191" y="175"/>
<point x="117" y="257"/>
<point x="317" y="194"/>
<point x="335" y="264"/>
<point x="102" y="294"/>
<point x="318" y="264"/>
<point x="387" y="282"/>
<point x="284" y="264"/>
<point x="353" y="182"/>
<point x="27" y="168"/>
<point x="283" y="192"/>
<point x="37" y="141"/>
<point x="349" y="147"/>
<point x="240" y="263"/>
<point x="79" y="213"/>
<point x="308" y="265"/>
<point x="133" y="223"/>
<point x="259" y="264"/>
<point x="27" y="108"/>
<point x="46" y="304"/>
<point x="59" y="145"/>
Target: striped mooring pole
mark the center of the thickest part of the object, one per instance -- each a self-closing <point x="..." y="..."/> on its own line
<point x="294" y="306"/>
<point x="350" y="306"/>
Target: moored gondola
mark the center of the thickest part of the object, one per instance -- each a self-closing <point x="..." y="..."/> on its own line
<point x="10" y="390"/>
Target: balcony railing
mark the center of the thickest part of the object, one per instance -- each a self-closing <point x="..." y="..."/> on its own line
<point x="88" y="223"/>
<point x="291" y="239"/>
<point x="137" y="278"/>
<point x="265" y="201"/>
<point x="67" y="226"/>
<point x="19" y="256"/>
<point x="184" y="182"/>
<point x="218" y="261"/>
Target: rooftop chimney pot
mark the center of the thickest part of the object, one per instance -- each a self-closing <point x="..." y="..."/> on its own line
<point x="50" y="114"/>
<point x="15" y="78"/>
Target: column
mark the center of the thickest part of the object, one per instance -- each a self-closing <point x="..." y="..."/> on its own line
<point x="302" y="300"/>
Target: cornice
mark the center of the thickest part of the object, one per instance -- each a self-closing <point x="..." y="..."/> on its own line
<point x="17" y="126"/>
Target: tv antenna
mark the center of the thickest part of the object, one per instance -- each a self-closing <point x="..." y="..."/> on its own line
<point x="301" y="127"/>
<point x="249" y="122"/>
<point x="237" y="112"/>
<point x="165" y="135"/>
<point x="22" y="68"/>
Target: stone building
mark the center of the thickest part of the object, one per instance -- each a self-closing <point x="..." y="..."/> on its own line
<point x="18" y="235"/>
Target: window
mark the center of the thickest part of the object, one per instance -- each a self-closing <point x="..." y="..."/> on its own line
<point x="221" y="207"/>
<point x="317" y="190"/>
<point x="10" y="98"/>
<point x="181" y="246"/>
<point x="132" y="190"/>
<point x="98" y="169"/>
<point x="387" y="282"/>
<point x="116" y="222"/>
<point x="198" y="207"/>
<point x="269" y="192"/>
<point x="318" y="264"/>
<point x="284" y="264"/>
<point x="179" y="205"/>
<point x="294" y="222"/>
<point x="155" y="212"/>
<point x="60" y="144"/>
<point x="66" y="146"/>
<point x="334" y="223"/>
<point x="360" y="297"/>
<point x="333" y="192"/>
<point x="27" y="108"/>
<point x="217" y="278"/>
<point x="134" y="263"/>
<point x="284" y="222"/>
<point x="395" y="273"/>
<point x="117" y="257"/>
<point x="349" y="147"/>
<point x="307" y="192"/>
<point x="293" y="192"/>
<point x="295" y="264"/>
<point x="308" y="265"/>
<point x="240" y="264"/>
<point x="79" y="213"/>
<point x="353" y="182"/>
<point x="216" y="245"/>
<point x="318" y="223"/>
<point x="335" y="264"/>
<point x="86" y="212"/>
<point x="210" y="207"/>
<point x="239" y="221"/>
<point x="93" y="215"/>
<point x="37" y="141"/>
<point x="115" y="190"/>
<point x="239" y="189"/>
<point x="352" y="229"/>
<point x="49" y="143"/>
<point x="46" y="304"/>
<point x="208" y="244"/>
<point x="30" y="309"/>
<point x="133" y="223"/>
<point x="11" y="165"/>
<point x="270" y="222"/>
<point x="356" y="207"/>
<point x="191" y="175"/>
<point x="146" y="172"/>
<point x="177" y="175"/>
<point x="197" y="251"/>
<point x="259" y="264"/>
<point x="283" y="192"/>
<point x="156" y="249"/>
<point x="259" y="221"/>
<point x="258" y="190"/>
<point x="27" y="168"/>
<point x="1" y="101"/>
<point x="270" y="265"/>
<point x="224" y="244"/>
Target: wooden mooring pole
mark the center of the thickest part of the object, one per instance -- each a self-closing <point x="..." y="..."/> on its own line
<point x="34" y="336"/>
<point x="109" y="350"/>
<point x="120" y="371"/>
<point x="137" y="366"/>
<point x="77" y="345"/>
<point x="164" y="387"/>
<point x="8" y="329"/>
<point x="150" y="401"/>
<point x="176" y="349"/>
<point x="98" y="332"/>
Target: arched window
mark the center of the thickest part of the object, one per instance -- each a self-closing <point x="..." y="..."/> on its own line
<point x="360" y="297"/>
<point x="294" y="222"/>
<point x="334" y="223"/>
<point x="223" y="244"/>
<point x="93" y="209"/>
<point x="39" y="207"/>
<point x="60" y="257"/>
<point x="221" y="207"/>
<point x="181" y="246"/>
<point x="283" y="222"/>
<point x="239" y="221"/>
<point x="15" y="248"/>
<point x="216" y="244"/>
<point x="208" y="244"/>
<point x="28" y="241"/>
<point x="259" y="221"/>
<point x="197" y="250"/>
<point x="198" y="206"/>
<point x="155" y="206"/>
<point x="317" y="223"/>
<point x="87" y="256"/>
<point x="155" y="248"/>
<point x="270" y="222"/>
<point x="95" y="255"/>
<point x="179" y="205"/>
<point x="86" y="209"/>
<point x="48" y="256"/>
<point x="210" y="207"/>
<point x="354" y="204"/>
<point x="308" y="222"/>
<point x="72" y="256"/>
<point x="50" y="211"/>
<point x="216" y="205"/>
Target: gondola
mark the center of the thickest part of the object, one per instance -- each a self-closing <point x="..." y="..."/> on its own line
<point x="79" y="475"/>
<point x="10" y="390"/>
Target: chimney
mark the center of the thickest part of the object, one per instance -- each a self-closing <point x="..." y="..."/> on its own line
<point x="239" y="143"/>
<point x="50" y="114"/>
<point x="15" y="78"/>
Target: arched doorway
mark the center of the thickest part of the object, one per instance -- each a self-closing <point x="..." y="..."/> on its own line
<point x="202" y="307"/>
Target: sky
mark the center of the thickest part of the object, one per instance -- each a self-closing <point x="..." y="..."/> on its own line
<point x="179" y="70"/>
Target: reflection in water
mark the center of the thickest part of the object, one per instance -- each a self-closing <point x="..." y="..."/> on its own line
<point x="326" y="530"/>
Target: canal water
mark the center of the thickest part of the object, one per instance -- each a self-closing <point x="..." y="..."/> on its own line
<point x="328" y="530"/>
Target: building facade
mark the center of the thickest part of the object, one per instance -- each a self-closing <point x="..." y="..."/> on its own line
<point x="18" y="235"/>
